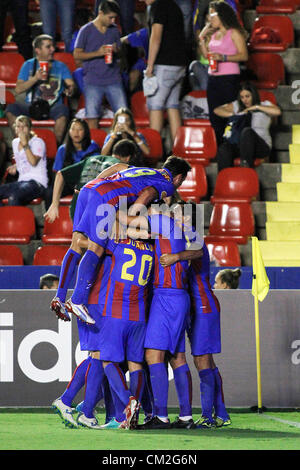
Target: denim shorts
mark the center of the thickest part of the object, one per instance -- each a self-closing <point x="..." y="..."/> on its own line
<point x="169" y="79"/>
<point x="93" y="95"/>
<point x="56" y="110"/>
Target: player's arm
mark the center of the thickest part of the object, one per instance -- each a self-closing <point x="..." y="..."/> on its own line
<point x="137" y="216"/>
<point x="167" y="259"/>
<point x="53" y="211"/>
<point x="112" y="170"/>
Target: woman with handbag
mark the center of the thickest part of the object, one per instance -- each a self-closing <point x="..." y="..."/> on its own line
<point x="252" y="139"/>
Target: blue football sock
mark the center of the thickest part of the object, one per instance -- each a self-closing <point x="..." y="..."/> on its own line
<point x="183" y="384"/>
<point x="87" y="271"/>
<point x="68" y="267"/>
<point x="118" y="406"/>
<point x="207" y="390"/>
<point x="93" y="383"/>
<point x="160" y="388"/>
<point x="147" y="397"/>
<point x="76" y="383"/>
<point x="117" y="382"/>
<point x="219" y="404"/>
<point x="137" y="383"/>
<point x="108" y="400"/>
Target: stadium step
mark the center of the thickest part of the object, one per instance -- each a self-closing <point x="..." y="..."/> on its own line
<point x="283" y="211"/>
<point x="290" y="172"/>
<point x="294" y="150"/>
<point x="283" y="231"/>
<point x="288" y="192"/>
<point x="280" y="253"/>
<point x="296" y="134"/>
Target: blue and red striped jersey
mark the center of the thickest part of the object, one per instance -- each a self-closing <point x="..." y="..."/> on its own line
<point x="98" y="290"/>
<point x="131" y="182"/>
<point x="169" y="238"/>
<point x="200" y="287"/>
<point x="129" y="274"/>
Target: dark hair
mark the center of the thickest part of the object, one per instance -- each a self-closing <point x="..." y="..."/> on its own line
<point x="227" y="16"/>
<point x="231" y="277"/>
<point x="82" y="16"/>
<point x="48" y="280"/>
<point x="108" y="6"/>
<point x="254" y="92"/>
<point x="177" y="166"/>
<point x="86" y="141"/>
<point x="124" y="111"/>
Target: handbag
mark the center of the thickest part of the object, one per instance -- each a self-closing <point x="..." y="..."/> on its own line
<point x="150" y="85"/>
<point x="235" y="125"/>
<point x="39" y="110"/>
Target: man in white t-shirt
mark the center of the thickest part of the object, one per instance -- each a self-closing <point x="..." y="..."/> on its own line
<point x="29" y="152"/>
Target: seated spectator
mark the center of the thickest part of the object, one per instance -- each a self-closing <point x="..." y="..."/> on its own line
<point x="255" y="139"/>
<point x="65" y="9"/>
<point x="124" y="127"/>
<point x="19" y="13"/>
<point x="96" y="42"/>
<point x="77" y="147"/>
<point x="3" y="154"/>
<point x="48" y="86"/>
<point x="228" y="279"/>
<point x="49" y="281"/>
<point x="29" y="152"/>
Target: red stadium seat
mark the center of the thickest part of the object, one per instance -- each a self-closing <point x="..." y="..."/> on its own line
<point x="66" y="200"/>
<point x="154" y="142"/>
<point x="60" y="231"/>
<point x="98" y="135"/>
<point x="195" y="144"/>
<point x="139" y="109"/>
<point x="67" y="58"/>
<point x="11" y="255"/>
<point x="50" y="140"/>
<point x="232" y="221"/>
<point x="225" y="253"/>
<point x="10" y="65"/>
<point x="49" y="255"/>
<point x="283" y="28"/>
<point x="194" y="186"/>
<point x="279" y="7"/>
<point x="236" y="184"/>
<point x="197" y="122"/>
<point x="268" y="68"/>
<point x="17" y="225"/>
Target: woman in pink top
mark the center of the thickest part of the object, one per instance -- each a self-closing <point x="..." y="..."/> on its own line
<point x="227" y="47"/>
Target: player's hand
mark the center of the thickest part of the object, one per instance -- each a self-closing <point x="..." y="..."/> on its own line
<point x="167" y="259"/>
<point x="51" y="214"/>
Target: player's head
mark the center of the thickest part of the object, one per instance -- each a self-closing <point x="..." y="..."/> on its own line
<point x="108" y="11"/>
<point x="126" y="151"/>
<point x="228" y="279"/>
<point x="178" y="167"/>
<point x="49" y="281"/>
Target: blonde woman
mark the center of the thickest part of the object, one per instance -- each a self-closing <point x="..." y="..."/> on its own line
<point x="29" y="153"/>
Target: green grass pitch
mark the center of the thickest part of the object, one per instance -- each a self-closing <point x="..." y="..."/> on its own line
<point x="42" y="429"/>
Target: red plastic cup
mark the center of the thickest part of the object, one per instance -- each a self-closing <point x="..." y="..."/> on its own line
<point x="108" y="55"/>
<point x="44" y="66"/>
<point x="213" y="63"/>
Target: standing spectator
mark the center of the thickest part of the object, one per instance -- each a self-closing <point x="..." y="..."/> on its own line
<point x="167" y="61"/>
<point x="100" y="78"/>
<point x="19" y="12"/>
<point x="227" y="47"/>
<point x="32" y="79"/>
<point x="29" y="152"/>
<point x="228" y="279"/>
<point x="77" y="147"/>
<point x="65" y="10"/>
<point x="186" y="6"/>
<point x="127" y="8"/>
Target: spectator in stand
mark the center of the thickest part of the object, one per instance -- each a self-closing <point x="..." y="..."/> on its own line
<point x="49" y="281"/>
<point x="127" y="9"/>
<point x="3" y="154"/>
<point x="19" y="12"/>
<point x="65" y="9"/>
<point x="31" y="79"/>
<point x="227" y="47"/>
<point x="167" y="61"/>
<point x="228" y="279"/>
<point x="29" y="152"/>
<point x="100" y="78"/>
<point x="78" y="145"/>
<point x="255" y="139"/>
<point x="124" y="127"/>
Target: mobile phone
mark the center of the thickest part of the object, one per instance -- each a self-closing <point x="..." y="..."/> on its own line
<point x="121" y="119"/>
